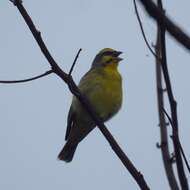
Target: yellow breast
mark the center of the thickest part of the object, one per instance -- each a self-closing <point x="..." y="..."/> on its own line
<point x="108" y="98"/>
<point x="102" y="87"/>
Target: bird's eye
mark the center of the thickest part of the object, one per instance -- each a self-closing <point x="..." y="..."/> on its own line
<point x="107" y="60"/>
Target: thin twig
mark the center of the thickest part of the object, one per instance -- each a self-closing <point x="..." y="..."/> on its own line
<point x="184" y="157"/>
<point x="74" y="62"/>
<point x="181" y="148"/>
<point x="168" y="117"/>
<point x="167" y="23"/>
<point x="83" y="100"/>
<point x="162" y="120"/>
<point x="142" y="31"/>
<point x="173" y="108"/>
<point x="26" y="80"/>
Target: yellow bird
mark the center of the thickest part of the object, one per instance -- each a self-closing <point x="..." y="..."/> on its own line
<point x="102" y="86"/>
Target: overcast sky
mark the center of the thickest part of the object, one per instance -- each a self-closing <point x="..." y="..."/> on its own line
<point x="33" y="115"/>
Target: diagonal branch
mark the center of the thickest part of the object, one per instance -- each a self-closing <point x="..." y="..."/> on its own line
<point x="74" y="62"/>
<point x="26" y="80"/>
<point x="167" y="23"/>
<point x="142" y="30"/>
<point x="74" y="89"/>
<point x="181" y="148"/>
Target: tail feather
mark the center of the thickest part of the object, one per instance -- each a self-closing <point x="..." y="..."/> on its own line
<point x="68" y="151"/>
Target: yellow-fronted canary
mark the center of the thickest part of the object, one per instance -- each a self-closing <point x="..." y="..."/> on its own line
<point x="102" y="86"/>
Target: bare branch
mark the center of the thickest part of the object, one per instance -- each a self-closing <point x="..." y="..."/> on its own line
<point x="184" y="157"/>
<point x="74" y="62"/>
<point x="168" y="117"/>
<point x="173" y="108"/>
<point x="164" y="145"/>
<point x="142" y="30"/>
<point x="74" y="89"/>
<point x="167" y="23"/>
<point x="26" y="80"/>
<point x="181" y="148"/>
<point x="15" y="2"/>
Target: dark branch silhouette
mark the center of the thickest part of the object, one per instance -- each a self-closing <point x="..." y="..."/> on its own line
<point x="74" y="89"/>
<point x="74" y="62"/>
<point x="164" y="145"/>
<point x="142" y="30"/>
<point x="26" y="80"/>
<point x="184" y="156"/>
<point x="181" y="148"/>
<point x="163" y="128"/>
<point x="161" y="53"/>
<point x="40" y="76"/>
<point x="173" y="108"/>
<point x="167" y="23"/>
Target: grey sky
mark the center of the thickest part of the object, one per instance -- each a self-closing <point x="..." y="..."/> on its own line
<point x="33" y="115"/>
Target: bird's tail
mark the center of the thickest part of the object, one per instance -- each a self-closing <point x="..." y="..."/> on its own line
<point x="68" y="151"/>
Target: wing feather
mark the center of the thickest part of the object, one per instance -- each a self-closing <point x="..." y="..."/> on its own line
<point x="70" y="120"/>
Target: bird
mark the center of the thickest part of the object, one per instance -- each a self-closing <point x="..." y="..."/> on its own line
<point x="102" y="86"/>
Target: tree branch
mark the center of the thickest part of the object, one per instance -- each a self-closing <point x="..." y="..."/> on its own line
<point x="181" y="148"/>
<point x="26" y="80"/>
<point x="167" y="23"/>
<point x="74" y="62"/>
<point x="142" y="30"/>
<point x="74" y="89"/>
<point x="162" y="121"/>
<point x="173" y="108"/>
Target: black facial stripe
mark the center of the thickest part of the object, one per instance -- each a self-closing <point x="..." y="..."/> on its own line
<point x="99" y="56"/>
<point x="113" y="53"/>
<point x="108" y="61"/>
<point x="98" y="59"/>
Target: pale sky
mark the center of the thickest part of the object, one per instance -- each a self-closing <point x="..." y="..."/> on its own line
<point x="33" y="115"/>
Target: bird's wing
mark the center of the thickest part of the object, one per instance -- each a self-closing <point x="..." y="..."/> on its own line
<point x="90" y="81"/>
<point x="87" y="84"/>
<point x="71" y="114"/>
<point x="70" y="119"/>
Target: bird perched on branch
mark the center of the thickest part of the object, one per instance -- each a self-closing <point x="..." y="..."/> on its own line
<point x="102" y="86"/>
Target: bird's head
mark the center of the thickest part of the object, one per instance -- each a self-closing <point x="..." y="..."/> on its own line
<point x="107" y="56"/>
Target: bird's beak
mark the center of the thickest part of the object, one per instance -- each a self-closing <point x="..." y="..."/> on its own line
<point x="117" y="53"/>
